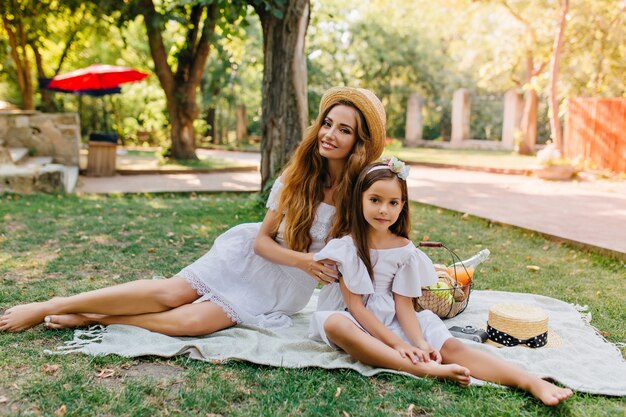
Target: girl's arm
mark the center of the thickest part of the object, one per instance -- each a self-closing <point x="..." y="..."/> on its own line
<point x="411" y="327"/>
<point x="268" y="248"/>
<point x="375" y="327"/>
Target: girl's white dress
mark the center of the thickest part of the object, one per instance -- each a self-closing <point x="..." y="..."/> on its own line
<point x="404" y="271"/>
<point x="248" y="287"/>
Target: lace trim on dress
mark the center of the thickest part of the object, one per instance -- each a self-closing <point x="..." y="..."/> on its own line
<point x="323" y="222"/>
<point x="319" y="230"/>
<point x="205" y="291"/>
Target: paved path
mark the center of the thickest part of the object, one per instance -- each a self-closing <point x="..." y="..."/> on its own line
<point x="235" y="181"/>
<point x="592" y="213"/>
<point x="589" y="212"/>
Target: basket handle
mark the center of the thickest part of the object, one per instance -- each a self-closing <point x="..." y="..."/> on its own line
<point x="430" y="244"/>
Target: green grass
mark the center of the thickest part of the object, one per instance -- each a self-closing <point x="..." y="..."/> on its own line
<point x="203" y="162"/>
<point x="60" y="245"/>
<point x="244" y="147"/>
<point x="464" y="157"/>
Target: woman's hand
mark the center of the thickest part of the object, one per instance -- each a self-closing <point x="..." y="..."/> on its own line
<point x="324" y="271"/>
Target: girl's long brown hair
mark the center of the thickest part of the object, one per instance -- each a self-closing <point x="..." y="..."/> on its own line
<point x="304" y="178"/>
<point x="359" y="226"/>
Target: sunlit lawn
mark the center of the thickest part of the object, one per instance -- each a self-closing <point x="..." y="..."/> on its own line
<point x="131" y="160"/>
<point x="153" y="160"/>
<point x="464" y="157"/>
<point x="60" y="245"/>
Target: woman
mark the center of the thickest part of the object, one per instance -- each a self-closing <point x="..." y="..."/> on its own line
<point x="254" y="273"/>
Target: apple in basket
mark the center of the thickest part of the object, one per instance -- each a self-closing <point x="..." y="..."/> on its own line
<point x="441" y="289"/>
<point x="457" y="290"/>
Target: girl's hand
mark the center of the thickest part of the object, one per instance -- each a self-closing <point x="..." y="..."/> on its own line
<point x="412" y="353"/>
<point x="432" y="353"/>
<point x="325" y="271"/>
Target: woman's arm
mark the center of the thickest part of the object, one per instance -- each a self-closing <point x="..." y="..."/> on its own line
<point x="268" y="248"/>
<point x="411" y="326"/>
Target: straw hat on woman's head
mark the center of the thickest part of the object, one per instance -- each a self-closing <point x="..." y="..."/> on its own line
<point x="368" y="104"/>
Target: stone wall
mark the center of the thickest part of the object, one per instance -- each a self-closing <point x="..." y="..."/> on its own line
<point x="44" y="134"/>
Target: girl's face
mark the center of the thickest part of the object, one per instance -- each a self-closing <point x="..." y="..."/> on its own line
<point x="337" y="135"/>
<point x="382" y="204"/>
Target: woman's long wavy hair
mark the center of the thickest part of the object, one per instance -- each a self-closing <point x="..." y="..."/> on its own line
<point x="305" y="176"/>
<point x="359" y="226"/>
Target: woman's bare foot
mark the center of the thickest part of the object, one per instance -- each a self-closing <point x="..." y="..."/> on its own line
<point x="70" y="321"/>
<point x="22" y="317"/>
<point x="451" y="372"/>
<point x="548" y="393"/>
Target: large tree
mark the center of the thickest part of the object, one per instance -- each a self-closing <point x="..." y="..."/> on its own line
<point x="180" y="77"/>
<point x="284" y="105"/>
<point x="555" y="123"/>
<point x="31" y="26"/>
<point x="22" y="21"/>
<point x="533" y="67"/>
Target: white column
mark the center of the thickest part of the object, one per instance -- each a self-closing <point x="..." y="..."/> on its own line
<point x="414" y="122"/>
<point x="460" y="117"/>
<point x="513" y="106"/>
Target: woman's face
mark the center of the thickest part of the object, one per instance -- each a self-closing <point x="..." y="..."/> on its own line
<point x="337" y="135"/>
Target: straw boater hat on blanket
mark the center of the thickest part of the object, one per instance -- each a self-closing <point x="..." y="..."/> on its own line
<point x="513" y="324"/>
<point x="368" y="104"/>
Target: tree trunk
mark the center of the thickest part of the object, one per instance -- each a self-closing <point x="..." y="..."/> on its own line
<point x="529" y="124"/>
<point x="555" y="123"/>
<point x="183" y="110"/>
<point x="210" y="124"/>
<point x="17" y="42"/>
<point x="242" y="126"/>
<point x="46" y="97"/>
<point x="181" y="87"/>
<point x="284" y="106"/>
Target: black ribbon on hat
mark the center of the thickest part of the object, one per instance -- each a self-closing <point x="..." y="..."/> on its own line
<point x="506" y="339"/>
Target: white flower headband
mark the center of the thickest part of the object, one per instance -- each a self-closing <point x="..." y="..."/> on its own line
<point x="395" y="165"/>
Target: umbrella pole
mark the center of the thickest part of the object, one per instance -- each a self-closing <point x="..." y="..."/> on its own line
<point x="104" y="115"/>
<point x="80" y="113"/>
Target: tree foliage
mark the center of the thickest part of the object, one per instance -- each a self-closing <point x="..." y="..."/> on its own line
<point x="393" y="47"/>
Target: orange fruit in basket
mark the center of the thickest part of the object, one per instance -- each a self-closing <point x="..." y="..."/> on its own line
<point x="463" y="276"/>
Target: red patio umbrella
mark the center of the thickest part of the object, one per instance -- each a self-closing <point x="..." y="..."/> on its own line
<point x="96" y="77"/>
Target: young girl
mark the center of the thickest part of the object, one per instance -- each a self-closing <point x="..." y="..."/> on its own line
<point x="257" y="273"/>
<point x="373" y="320"/>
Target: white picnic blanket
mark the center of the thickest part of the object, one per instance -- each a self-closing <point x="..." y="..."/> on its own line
<point x="584" y="362"/>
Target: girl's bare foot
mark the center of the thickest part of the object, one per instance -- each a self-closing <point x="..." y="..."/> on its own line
<point x="451" y="372"/>
<point x="22" y="317"/>
<point x="548" y="393"/>
<point x="70" y="321"/>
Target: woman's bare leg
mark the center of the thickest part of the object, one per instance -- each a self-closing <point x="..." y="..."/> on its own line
<point x="369" y="350"/>
<point x="491" y="368"/>
<point x="187" y="320"/>
<point x="135" y="297"/>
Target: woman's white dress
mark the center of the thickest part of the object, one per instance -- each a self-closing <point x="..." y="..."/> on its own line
<point x="404" y="271"/>
<point x="248" y="287"/>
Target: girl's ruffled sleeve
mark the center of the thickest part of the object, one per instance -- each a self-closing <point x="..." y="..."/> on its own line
<point x="353" y="270"/>
<point x="272" y="200"/>
<point x="415" y="272"/>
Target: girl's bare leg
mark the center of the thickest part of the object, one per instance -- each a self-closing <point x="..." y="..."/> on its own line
<point x="369" y="350"/>
<point x="135" y="297"/>
<point x="187" y="320"/>
<point x="491" y="368"/>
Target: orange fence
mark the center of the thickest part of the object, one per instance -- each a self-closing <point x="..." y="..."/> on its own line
<point x="596" y="130"/>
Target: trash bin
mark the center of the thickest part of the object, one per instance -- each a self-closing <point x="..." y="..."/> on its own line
<point x="102" y="154"/>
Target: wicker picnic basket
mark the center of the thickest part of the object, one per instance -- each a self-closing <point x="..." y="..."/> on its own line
<point x="449" y="300"/>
